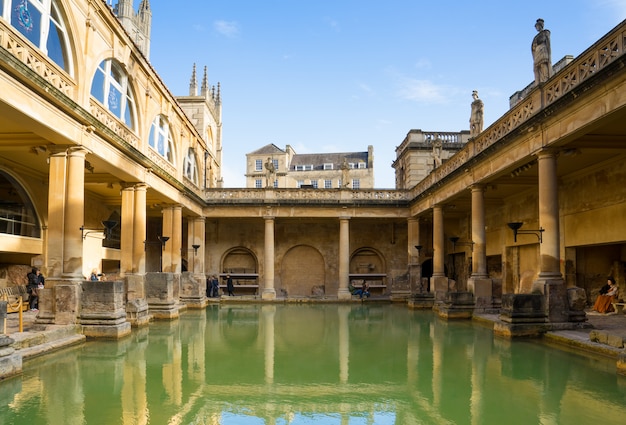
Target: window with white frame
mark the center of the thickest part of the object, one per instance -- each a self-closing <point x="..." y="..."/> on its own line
<point x="300" y="183"/>
<point x="356" y="184"/>
<point x="362" y="165"/>
<point x="314" y="183"/>
<point x="275" y="162"/>
<point x="190" y="166"/>
<point x="339" y="183"/>
<point x="41" y="22"/>
<point x="352" y="165"/>
<point x="328" y="184"/>
<point x="110" y="86"/>
<point x="258" y="165"/>
<point x="276" y="183"/>
<point x="258" y="183"/>
<point x="328" y="166"/>
<point x="161" y="138"/>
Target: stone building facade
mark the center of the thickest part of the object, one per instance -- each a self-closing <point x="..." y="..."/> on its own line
<point x="529" y="212"/>
<point x="271" y="166"/>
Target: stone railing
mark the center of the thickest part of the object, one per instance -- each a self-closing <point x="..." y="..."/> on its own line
<point x="113" y="123"/>
<point x="590" y="62"/>
<point x="254" y="196"/>
<point x="597" y="57"/>
<point x="21" y="49"/>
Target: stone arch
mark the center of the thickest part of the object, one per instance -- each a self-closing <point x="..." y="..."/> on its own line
<point x="21" y="216"/>
<point x="303" y="272"/>
<point x="239" y="260"/>
<point x="367" y="260"/>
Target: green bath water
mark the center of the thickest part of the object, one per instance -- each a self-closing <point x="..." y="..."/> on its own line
<point x="314" y="364"/>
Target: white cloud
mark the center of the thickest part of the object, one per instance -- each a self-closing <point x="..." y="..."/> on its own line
<point x="423" y="91"/>
<point x="228" y="29"/>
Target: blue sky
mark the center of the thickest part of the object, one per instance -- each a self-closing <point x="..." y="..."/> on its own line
<point x="339" y="75"/>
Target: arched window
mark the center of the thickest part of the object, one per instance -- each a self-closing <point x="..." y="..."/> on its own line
<point x="17" y="213"/>
<point x="41" y="22"/>
<point x="161" y="138"/>
<point x="110" y="86"/>
<point x="190" y="166"/>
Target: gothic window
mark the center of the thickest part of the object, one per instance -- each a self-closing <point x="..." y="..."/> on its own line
<point x="111" y="87"/>
<point x="190" y="167"/>
<point x="40" y="21"/>
<point x="161" y="138"/>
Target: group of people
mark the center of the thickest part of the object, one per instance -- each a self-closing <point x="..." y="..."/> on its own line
<point x="35" y="284"/>
<point x="213" y="286"/>
<point x="363" y="291"/>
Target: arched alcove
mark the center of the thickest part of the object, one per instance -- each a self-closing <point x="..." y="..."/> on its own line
<point x="17" y="212"/>
<point x="302" y="270"/>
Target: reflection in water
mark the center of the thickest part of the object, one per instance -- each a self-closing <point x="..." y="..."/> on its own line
<point x="304" y="364"/>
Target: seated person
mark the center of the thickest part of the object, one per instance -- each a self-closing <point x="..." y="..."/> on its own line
<point x="363" y="291"/>
<point x="604" y="301"/>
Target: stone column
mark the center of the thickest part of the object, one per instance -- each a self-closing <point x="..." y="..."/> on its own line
<point x="196" y="237"/>
<point x="74" y="214"/>
<point x="439" y="281"/>
<point x="176" y="239"/>
<point x="139" y="229"/>
<point x="550" y="282"/>
<point x="343" y="292"/>
<point x="413" y="255"/>
<point x="56" y="215"/>
<point x="479" y="283"/>
<point x="269" y="293"/>
<point x="127" y="230"/>
<point x="166" y="251"/>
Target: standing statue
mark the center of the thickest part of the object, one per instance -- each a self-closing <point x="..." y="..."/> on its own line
<point x="437" y="150"/>
<point x="542" y="54"/>
<point x="271" y="170"/>
<point x="476" y="117"/>
<point x="345" y="168"/>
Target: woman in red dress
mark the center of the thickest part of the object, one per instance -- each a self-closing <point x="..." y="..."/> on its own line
<point x="603" y="302"/>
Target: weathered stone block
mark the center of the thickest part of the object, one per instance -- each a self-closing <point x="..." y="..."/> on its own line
<point x="523" y="308"/>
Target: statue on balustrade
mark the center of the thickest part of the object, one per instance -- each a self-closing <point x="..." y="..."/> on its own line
<point x="271" y="172"/>
<point x="476" y="116"/>
<point x="542" y="53"/>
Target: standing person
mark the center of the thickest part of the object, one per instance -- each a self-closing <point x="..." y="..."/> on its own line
<point x="215" y="285"/>
<point x="209" y="286"/>
<point x="542" y="53"/>
<point x="604" y="302"/>
<point x="32" y="287"/>
<point x="476" y="116"/>
<point x="229" y="285"/>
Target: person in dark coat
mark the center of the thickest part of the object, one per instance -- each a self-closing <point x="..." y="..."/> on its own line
<point x="229" y="285"/>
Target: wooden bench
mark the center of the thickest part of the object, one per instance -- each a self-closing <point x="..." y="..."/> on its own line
<point x="12" y="295"/>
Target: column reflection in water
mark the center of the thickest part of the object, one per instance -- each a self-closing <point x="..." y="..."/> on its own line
<point x="302" y="364"/>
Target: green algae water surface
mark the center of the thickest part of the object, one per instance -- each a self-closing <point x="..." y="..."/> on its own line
<point x="313" y="364"/>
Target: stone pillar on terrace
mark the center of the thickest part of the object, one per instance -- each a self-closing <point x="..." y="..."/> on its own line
<point x="127" y="225"/>
<point x="139" y="230"/>
<point x="193" y="282"/>
<point x="269" y="292"/>
<point x="413" y="256"/>
<point x="74" y="213"/>
<point x="133" y="246"/>
<point x="177" y="239"/>
<point x="550" y="281"/>
<point x="479" y="283"/>
<point x="439" y="280"/>
<point x="66" y="210"/>
<point x="343" y="293"/>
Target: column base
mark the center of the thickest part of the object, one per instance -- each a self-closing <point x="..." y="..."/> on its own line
<point x="344" y="294"/>
<point x="482" y="289"/>
<point x="553" y="288"/>
<point x="268" y="294"/>
<point x="440" y="285"/>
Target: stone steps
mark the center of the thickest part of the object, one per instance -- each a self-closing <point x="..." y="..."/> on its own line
<point x="46" y="339"/>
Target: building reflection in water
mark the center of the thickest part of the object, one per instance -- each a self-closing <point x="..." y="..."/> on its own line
<point x="291" y="364"/>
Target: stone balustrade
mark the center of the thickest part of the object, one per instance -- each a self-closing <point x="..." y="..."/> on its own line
<point x="295" y="195"/>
